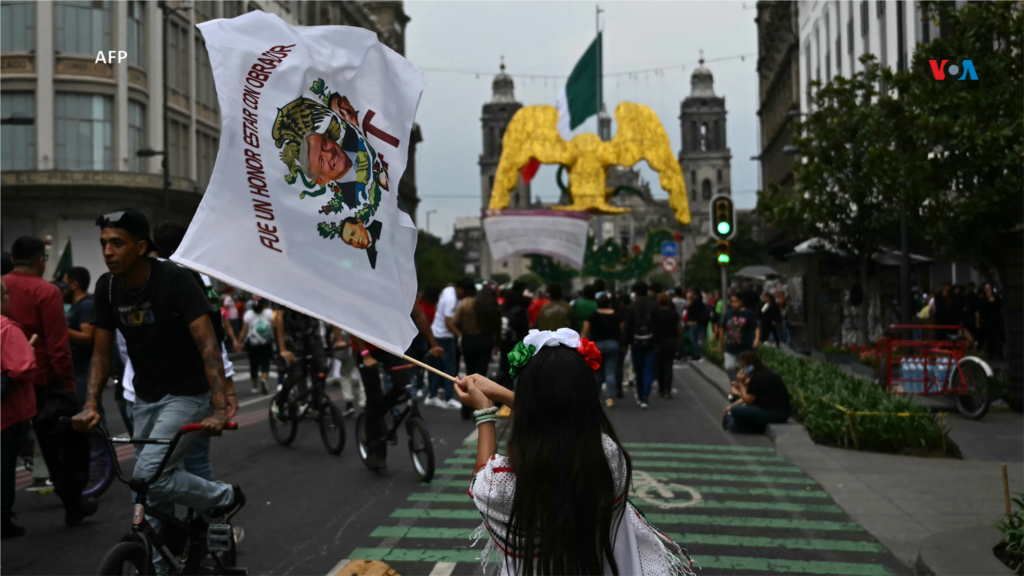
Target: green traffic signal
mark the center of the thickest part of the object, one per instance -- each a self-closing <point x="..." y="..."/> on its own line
<point x="724" y="228"/>
<point x="723" y="258"/>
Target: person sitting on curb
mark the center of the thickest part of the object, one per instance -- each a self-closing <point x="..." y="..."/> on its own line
<point x="762" y="397"/>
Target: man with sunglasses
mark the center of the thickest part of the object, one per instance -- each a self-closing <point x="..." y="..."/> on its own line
<point x="38" y="306"/>
<point x="164" y="316"/>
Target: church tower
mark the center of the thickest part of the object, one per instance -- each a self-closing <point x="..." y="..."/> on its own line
<point x="496" y="115"/>
<point x="705" y="155"/>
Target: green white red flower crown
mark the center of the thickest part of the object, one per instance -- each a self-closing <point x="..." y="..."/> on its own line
<point x="525" y="351"/>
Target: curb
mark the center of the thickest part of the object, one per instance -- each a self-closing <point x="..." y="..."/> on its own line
<point x="960" y="551"/>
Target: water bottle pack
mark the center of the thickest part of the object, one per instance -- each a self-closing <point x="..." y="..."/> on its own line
<point x="914" y="372"/>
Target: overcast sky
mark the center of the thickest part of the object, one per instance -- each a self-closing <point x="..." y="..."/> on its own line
<point x="547" y="38"/>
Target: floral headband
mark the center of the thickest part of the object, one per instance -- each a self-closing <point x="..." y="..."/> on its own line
<point x="535" y="340"/>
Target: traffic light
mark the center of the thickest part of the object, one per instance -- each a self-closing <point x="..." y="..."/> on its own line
<point x="722" y="250"/>
<point x="722" y="219"/>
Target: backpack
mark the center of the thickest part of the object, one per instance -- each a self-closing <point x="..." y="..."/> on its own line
<point x="262" y="332"/>
<point x="643" y="330"/>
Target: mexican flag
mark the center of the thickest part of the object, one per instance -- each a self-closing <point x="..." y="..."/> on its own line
<point x="581" y="97"/>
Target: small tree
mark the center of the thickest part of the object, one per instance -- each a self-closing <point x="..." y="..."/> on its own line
<point x="702" y="268"/>
<point x="437" y="264"/>
<point x="842" y="187"/>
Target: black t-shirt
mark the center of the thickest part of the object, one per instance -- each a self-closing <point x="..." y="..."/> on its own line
<point x="81" y="354"/>
<point x="700" y="313"/>
<point x="666" y="325"/>
<point x="605" y="326"/>
<point x="768" y="391"/>
<point x="155" y="324"/>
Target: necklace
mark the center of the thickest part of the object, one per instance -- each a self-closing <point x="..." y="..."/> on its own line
<point x="141" y="288"/>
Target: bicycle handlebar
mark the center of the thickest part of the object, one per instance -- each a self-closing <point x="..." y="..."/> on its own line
<point x="197" y="426"/>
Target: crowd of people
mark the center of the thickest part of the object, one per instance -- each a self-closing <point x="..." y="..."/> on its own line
<point x="978" y="310"/>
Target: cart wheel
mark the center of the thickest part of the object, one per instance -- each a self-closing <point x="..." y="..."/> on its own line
<point x="971" y="383"/>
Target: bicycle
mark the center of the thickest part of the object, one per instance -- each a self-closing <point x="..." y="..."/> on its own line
<point x="421" y="450"/>
<point x="189" y="545"/>
<point x="313" y="404"/>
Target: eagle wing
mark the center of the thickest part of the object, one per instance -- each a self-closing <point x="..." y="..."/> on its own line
<point x="640" y="136"/>
<point x="532" y="133"/>
<point x="296" y="119"/>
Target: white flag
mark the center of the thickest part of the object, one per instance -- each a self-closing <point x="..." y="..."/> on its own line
<point x="302" y="207"/>
<point x="560" y="235"/>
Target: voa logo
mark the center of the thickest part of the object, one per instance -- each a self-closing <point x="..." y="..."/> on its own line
<point x="948" y="70"/>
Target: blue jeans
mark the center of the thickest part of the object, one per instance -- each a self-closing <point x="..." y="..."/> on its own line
<point x="753" y="419"/>
<point x="448" y="367"/>
<point x="697" y="334"/>
<point x="609" y="364"/>
<point x="197" y="461"/>
<point x="644" y="359"/>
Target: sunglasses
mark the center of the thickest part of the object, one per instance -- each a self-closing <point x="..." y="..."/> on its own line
<point x="107" y="219"/>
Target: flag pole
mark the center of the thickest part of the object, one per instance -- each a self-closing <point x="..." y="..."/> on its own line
<point x="600" y="63"/>
<point x="430" y="369"/>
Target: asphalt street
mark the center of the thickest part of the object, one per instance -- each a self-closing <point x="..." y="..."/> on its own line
<point x="732" y="501"/>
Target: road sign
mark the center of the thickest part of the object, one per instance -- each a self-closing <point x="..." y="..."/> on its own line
<point x="669" y="264"/>
<point x="668" y="248"/>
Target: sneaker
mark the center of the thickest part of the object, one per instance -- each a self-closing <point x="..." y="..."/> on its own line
<point x="420" y="394"/>
<point x="228" y="511"/>
<point x="454" y="404"/>
<point x="609" y="403"/>
<point x="435" y="402"/>
<point x="86" y="507"/>
<point x="643" y="403"/>
<point x="239" y="534"/>
<point x="374" y="457"/>
<point x="40" y="485"/>
<point x="350" y="409"/>
<point x="263" y="386"/>
<point x="280" y="412"/>
<point x="10" y="530"/>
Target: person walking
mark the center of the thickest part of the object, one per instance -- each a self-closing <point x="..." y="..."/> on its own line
<point x="770" y="318"/>
<point x="80" y="328"/>
<point x="444" y="330"/>
<point x="39" y="310"/>
<point x="17" y="407"/>
<point x="698" y="314"/>
<point x="604" y="328"/>
<point x="639" y="336"/>
<point x="666" y="340"/>
<point x="584" y="306"/>
<point x="479" y="319"/>
<point x="740" y="333"/>
<point x="992" y="329"/>
<point x="257" y="336"/>
<point x="517" y="325"/>
<point x="556" y="313"/>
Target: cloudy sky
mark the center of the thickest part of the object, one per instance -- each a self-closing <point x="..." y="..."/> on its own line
<point x="546" y="39"/>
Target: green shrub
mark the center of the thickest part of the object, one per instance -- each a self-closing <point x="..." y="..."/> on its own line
<point x="710" y="352"/>
<point x="828" y="425"/>
<point x="1012" y="546"/>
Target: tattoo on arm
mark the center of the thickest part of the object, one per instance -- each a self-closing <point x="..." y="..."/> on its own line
<point x="99" y="367"/>
<point x="213" y="363"/>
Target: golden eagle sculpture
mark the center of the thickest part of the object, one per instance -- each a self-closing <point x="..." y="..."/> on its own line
<point x="533" y="133"/>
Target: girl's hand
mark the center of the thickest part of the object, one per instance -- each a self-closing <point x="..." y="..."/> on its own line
<point x="485" y="385"/>
<point x="470" y="394"/>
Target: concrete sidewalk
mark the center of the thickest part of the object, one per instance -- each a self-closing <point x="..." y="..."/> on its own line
<point x="902" y="500"/>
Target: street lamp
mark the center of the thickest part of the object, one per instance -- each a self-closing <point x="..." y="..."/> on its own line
<point x="790" y="149"/>
<point x="167" y="11"/>
<point x="429" y="212"/>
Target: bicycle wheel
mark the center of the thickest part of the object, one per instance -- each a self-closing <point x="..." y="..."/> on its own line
<point x="125" y="558"/>
<point x="332" y="427"/>
<point x="284" y="431"/>
<point x="361" y="442"/>
<point x="971" y="384"/>
<point x="421" y="449"/>
<point x="101" y="467"/>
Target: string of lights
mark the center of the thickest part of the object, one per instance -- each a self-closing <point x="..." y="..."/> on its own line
<point x="630" y="73"/>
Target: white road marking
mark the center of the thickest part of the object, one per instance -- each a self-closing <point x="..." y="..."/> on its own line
<point x="443" y="569"/>
<point x="337" y="567"/>
<point x="644" y="484"/>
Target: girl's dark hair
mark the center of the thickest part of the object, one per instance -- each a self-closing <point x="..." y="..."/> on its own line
<point x="751" y="358"/>
<point x="259" y="305"/>
<point x="603" y="301"/>
<point x="488" y="314"/>
<point x="565" y="493"/>
<point x="431" y="294"/>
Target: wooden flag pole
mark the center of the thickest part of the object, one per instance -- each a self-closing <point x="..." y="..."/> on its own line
<point x="430" y="369"/>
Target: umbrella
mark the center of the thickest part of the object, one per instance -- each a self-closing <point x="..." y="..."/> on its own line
<point x="756" y="272"/>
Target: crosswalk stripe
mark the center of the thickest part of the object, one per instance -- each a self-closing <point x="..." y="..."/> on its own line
<point x="710" y="504"/>
<point x="655" y="464"/>
<point x="677" y="455"/>
<point x="467" y="472"/>
<point x="690" y="539"/>
<point x="707" y="447"/>
<point x="442" y="569"/>
<point x="703" y="489"/>
<point x="668" y="519"/>
<point x="720" y="562"/>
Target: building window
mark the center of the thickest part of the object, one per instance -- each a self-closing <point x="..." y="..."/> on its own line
<point x="882" y="40"/>
<point x="18" y="138"/>
<point x="516" y="203"/>
<point x="705" y="189"/>
<point x="136" y="12"/>
<point x="901" y="35"/>
<point x="17" y="26"/>
<point x="206" y="154"/>
<point x="716" y="136"/>
<point x="206" y="90"/>
<point x="865" y="26"/>
<point x="136" y="135"/>
<point x="704" y="137"/>
<point x="85" y="133"/>
<point x="233" y="8"/>
<point x="204" y="9"/>
<point x="828" y="49"/>
<point x="817" y="52"/>
<point x="719" y="176"/>
<point x="839" y="40"/>
<point x="489" y="145"/>
<point x="807" y="70"/>
<point x="849" y="39"/>
<point x="177" y="57"/>
<point x="178" y="160"/>
<point x="82" y="27"/>
<point x="490" y="184"/>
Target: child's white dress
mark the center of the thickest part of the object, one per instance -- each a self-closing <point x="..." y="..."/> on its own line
<point x="638" y="547"/>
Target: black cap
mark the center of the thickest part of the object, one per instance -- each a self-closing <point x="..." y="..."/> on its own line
<point x="130" y="220"/>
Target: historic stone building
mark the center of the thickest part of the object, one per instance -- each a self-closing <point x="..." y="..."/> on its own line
<point x="72" y="127"/>
<point x="496" y="115"/>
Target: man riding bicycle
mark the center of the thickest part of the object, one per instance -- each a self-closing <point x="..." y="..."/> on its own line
<point x="377" y="402"/>
<point x="301" y="345"/>
<point x="164" y="316"/>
